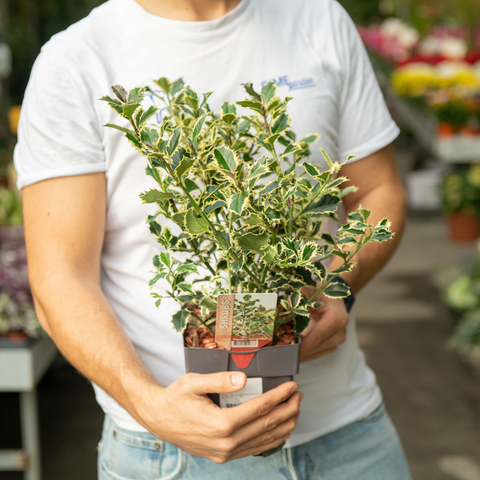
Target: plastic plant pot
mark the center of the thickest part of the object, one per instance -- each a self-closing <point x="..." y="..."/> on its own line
<point x="275" y="365"/>
<point x="464" y="227"/>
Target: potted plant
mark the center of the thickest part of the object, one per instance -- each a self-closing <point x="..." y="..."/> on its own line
<point x="250" y="210"/>
<point x="466" y="340"/>
<point x="461" y="202"/>
<point x="18" y="321"/>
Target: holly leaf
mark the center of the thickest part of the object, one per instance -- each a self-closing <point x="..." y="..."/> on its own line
<point x="268" y="92"/>
<point x="225" y="158"/>
<point x="194" y="224"/>
<point x="198" y="127"/>
<point x="155" y="196"/>
<point x="253" y="242"/>
<point x="337" y="290"/>
<point x="173" y="140"/>
<point x="238" y="202"/>
<point x="179" y="320"/>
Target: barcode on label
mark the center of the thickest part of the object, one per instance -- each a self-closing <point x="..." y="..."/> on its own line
<point x="230" y="405"/>
<point x="244" y="343"/>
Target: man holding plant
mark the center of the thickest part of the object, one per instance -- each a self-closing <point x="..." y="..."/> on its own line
<point x="90" y="251"/>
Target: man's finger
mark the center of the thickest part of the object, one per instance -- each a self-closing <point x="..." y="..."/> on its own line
<point x="266" y="438"/>
<point x="222" y="382"/>
<point x="333" y="342"/>
<point x="260" y="449"/>
<point x="270" y="422"/>
<point x="261" y="405"/>
<point x="320" y="331"/>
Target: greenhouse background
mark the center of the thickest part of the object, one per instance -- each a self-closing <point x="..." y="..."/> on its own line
<point x="418" y="320"/>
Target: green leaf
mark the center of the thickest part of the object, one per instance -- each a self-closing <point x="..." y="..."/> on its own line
<point x="312" y="169"/>
<point x="185" y="164"/>
<point x="268" y="92"/>
<point x="228" y="107"/>
<point x="195" y="225"/>
<point x="237" y="265"/>
<point x="308" y="252"/>
<point x="187" y="267"/>
<point x="155" y="228"/>
<point x="155" y="196"/>
<point x="147" y="115"/>
<point x="313" y="137"/>
<point x="328" y="238"/>
<point x="209" y="303"/>
<point x="291" y="148"/>
<point x="295" y="298"/>
<point x="327" y="158"/>
<point x="251" y="91"/>
<point x="179" y="320"/>
<point x="256" y="106"/>
<point x="173" y="140"/>
<point x="281" y="124"/>
<point x="120" y="93"/>
<point x="259" y="168"/>
<point x="238" y="202"/>
<point x="269" y="187"/>
<point x="190" y="185"/>
<point x="326" y="203"/>
<point x="225" y="158"/>
<point x="301" y="323"/>
<point x="177" y="85"/>
<point x="337" y="290"/>
<point x="213" y="206"/>
<point x="381" y="238"/>
<point x="242" y="127"/>
<point x="186" y="287"/>
<point x="166" y="259"/>
<point x="164" y="84"/>
<point x="198" y="127"/>
<point x="118" y="127"/>
<point x="253" y="242"/>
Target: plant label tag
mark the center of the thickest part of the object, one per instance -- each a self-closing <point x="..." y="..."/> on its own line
<point x="245" y="321"/>
<point x="224" y="323"/>
<point x="252" y="389"/>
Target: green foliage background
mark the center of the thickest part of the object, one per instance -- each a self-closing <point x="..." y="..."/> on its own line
<point x="27" y="25"/>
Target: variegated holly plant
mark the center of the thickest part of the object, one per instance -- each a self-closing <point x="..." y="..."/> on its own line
<point x="249" y="207"/>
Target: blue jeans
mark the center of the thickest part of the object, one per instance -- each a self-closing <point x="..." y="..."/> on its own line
<point x="368" y="449"/>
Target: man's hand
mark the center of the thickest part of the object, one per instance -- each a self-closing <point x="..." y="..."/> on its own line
<point x="327" y="329"/>
<point x="183" y="415"/>
<point x="382" y="192"/>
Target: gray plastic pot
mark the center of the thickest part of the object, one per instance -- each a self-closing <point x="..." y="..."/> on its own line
<point x="275" y="365"/>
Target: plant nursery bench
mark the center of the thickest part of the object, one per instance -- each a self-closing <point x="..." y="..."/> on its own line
<point x="21" y="368"/>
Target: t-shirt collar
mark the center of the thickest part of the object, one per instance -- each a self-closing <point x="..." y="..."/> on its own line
<point x="227" y="20"/>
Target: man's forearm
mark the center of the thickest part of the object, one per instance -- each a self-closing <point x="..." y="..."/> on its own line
<point x="80" y="320"/>
<point x="385" y="198"/>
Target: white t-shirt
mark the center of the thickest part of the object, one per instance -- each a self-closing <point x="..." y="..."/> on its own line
<point x="309" y="47"/>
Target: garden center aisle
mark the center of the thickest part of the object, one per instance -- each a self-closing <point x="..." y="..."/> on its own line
<point x="403" y="326"/>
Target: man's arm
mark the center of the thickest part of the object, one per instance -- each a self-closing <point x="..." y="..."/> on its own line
<point x="380" y="190"/>
<point x="64" y="228"/>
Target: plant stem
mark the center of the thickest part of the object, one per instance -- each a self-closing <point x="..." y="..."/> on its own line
<point x="228" y="257"/>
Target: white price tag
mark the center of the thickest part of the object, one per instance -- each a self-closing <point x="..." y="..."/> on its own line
<point x="252" y="389"/>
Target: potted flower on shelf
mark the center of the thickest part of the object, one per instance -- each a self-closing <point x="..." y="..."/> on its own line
<point x="461" y="202"/>
<point x="18" y="321"/>
<point x="249" y="211"/>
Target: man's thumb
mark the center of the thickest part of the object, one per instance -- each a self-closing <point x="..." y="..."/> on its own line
<point x="223" y="382"/>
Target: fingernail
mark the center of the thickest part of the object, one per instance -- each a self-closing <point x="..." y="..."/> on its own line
<point x="294" y="389"/>
<point x="237" y="379"/>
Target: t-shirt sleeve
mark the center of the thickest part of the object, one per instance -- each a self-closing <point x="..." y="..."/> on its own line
<point x="365" y="124"/>
<point x="58" y="132"/>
